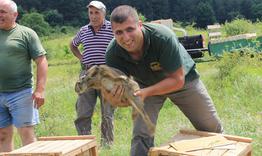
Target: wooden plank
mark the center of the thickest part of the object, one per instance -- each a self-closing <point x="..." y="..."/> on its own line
<point x="242" y="146"/>
<point x="46" y="146"/>
<point x="242" y="149"/>
<point x="210" y="152"/>
<point x="91" y="147"/>
<point x="32" y="154"/>
<point x="57" y="147"/>
<point x="74" y="147"/>
<point x="50" y="146"/>
<point x="209" y="142"/>
<point x="94" y="151"/>
<point x="85" y="153"/>
<point x="230" y="137"/>
<point x="29" y="147"/>
<point x="81" y="137"/>
<point x="160" y="151"/>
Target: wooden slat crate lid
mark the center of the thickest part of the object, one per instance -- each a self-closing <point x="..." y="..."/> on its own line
<point x="202" y="143"/>
<point x="188" y="142"/>
<point x="64" y="146"/>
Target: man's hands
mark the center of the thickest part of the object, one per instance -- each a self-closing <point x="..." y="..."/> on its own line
<point x="38" y="98"/>
<point x="141" y="93"/>
<point x="116" y="96"/>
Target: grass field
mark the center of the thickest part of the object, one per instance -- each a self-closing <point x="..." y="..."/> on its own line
<point x="237" y="97"/>
<point x="234" y="82"/>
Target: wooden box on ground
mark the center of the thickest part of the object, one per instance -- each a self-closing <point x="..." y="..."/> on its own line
<point x="230" y="146"/>
<point x="59" y="146"/>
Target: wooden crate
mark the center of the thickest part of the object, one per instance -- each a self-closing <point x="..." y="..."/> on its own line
<point x="58" y="146"/>
<point x="240" y="146"/>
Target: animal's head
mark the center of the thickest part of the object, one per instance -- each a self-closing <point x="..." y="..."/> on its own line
<point x="90" y="79"/>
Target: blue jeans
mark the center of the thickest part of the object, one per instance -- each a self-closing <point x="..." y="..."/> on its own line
<point x="17" y="108"/>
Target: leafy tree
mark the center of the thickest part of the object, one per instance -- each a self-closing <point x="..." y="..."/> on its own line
<point x="257" y="12"/>
<point x="53" y="17"/>
<point x="145" y="7"/>
<point x="161" y="9"/>
<point x="182" y="10"/>
<point x="246" y="8"/>
<point x="36" y="21"/>
<point x="21" y="12"/>
<point x="29" y="4"/>
<point x="219" y="10"/>
<point x="74" y="13"/>
<point x="204" y="15"/>
<point x="142" y="17"/>
<point x="232" y="15"/>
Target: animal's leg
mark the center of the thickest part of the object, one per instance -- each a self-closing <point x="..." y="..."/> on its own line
<point x="134" y="113"/>
<point x="145" y="117"/>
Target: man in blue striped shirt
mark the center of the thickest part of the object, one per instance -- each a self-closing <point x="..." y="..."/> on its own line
<point x="94" y="37"/>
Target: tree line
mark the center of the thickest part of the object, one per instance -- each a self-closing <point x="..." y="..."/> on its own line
<point x="200" y="13"/>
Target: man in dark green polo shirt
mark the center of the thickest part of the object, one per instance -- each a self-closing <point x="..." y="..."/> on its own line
<point x="152" y="54"/>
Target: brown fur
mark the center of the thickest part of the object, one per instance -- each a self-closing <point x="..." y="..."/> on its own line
<point x="104" y="78"/>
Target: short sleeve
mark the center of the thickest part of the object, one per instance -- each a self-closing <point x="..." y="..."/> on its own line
<point x="35" y="47"/>
<point x="170" y="58"/>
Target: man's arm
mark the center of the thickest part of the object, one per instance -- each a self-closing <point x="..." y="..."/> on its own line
<point x="173" y="82"/>
<point x="41" y="71"/>
<point x="75" y="51"/>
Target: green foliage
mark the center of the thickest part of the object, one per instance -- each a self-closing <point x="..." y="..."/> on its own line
<point x="142" y="17"/>
<point x="21" y="12"/>
<point x="232" y="15"/>
<point x="238" y="26"/>
<point x="36" y="21"/>
<point x="231" y="61"/>
<point x="201" y="12"/>
<point x="235" y="84"/>
<point x="53" y="17"/>
<point x="258" y="28"/>
<point x="57" y="48"/>
<point x="204" y="15"/>
<point x="257" y="11"/>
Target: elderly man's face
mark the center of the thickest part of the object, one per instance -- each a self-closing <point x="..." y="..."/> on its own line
<point x="7" y="16"/>
<point x="96" y="16"/>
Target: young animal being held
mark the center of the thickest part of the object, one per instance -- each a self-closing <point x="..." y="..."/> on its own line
<point x="104" y="78"/>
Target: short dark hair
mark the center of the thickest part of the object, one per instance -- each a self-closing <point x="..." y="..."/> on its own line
<point x="122" y="12"/>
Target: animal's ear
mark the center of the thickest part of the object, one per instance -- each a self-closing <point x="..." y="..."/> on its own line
<point x="121" y="77"/>
<point x="91" y="72"/>
<point x="102" y="69"/>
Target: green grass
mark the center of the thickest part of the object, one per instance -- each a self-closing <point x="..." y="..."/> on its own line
<point x="237" y="97"/>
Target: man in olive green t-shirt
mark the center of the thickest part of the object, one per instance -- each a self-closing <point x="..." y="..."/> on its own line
<point x="152" y="54"/>
<point x="19" y="104"/>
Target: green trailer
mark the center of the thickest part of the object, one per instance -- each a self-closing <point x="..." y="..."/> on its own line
<point x="235" y="43"/>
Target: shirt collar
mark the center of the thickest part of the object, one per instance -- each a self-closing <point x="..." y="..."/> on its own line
<point x="105" y="25"/>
